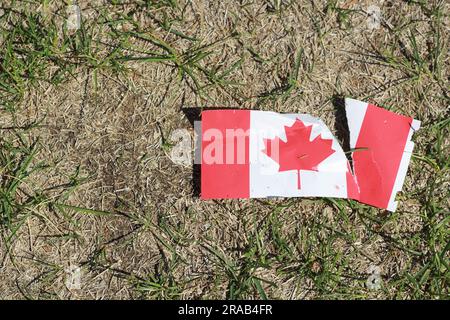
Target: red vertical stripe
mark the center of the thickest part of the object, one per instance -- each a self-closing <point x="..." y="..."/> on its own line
<point x="383" y="135"/>
<point x="352" y="187"/>
<point x="222" y="179"/>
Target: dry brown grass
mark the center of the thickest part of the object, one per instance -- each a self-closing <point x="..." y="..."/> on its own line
<point x="114" y="129"/>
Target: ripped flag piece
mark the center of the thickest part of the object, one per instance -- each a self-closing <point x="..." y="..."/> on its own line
<point x="260" y="154"/>
<point x="383" y="148"/>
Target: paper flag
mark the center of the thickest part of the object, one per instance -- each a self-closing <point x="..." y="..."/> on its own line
<point x="259" y="154"/>
<point x="382" y="140"/>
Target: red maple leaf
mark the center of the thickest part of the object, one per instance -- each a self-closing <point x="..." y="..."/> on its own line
<point x="298" y="153"/>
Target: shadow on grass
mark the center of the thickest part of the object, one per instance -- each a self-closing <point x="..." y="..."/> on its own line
<point x="341" y="124"/>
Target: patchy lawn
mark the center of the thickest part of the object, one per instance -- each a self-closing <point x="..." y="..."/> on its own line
<point x="92" y="207"/>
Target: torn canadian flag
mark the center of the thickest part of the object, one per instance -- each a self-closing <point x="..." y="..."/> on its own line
<point x="258" y="154"/>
